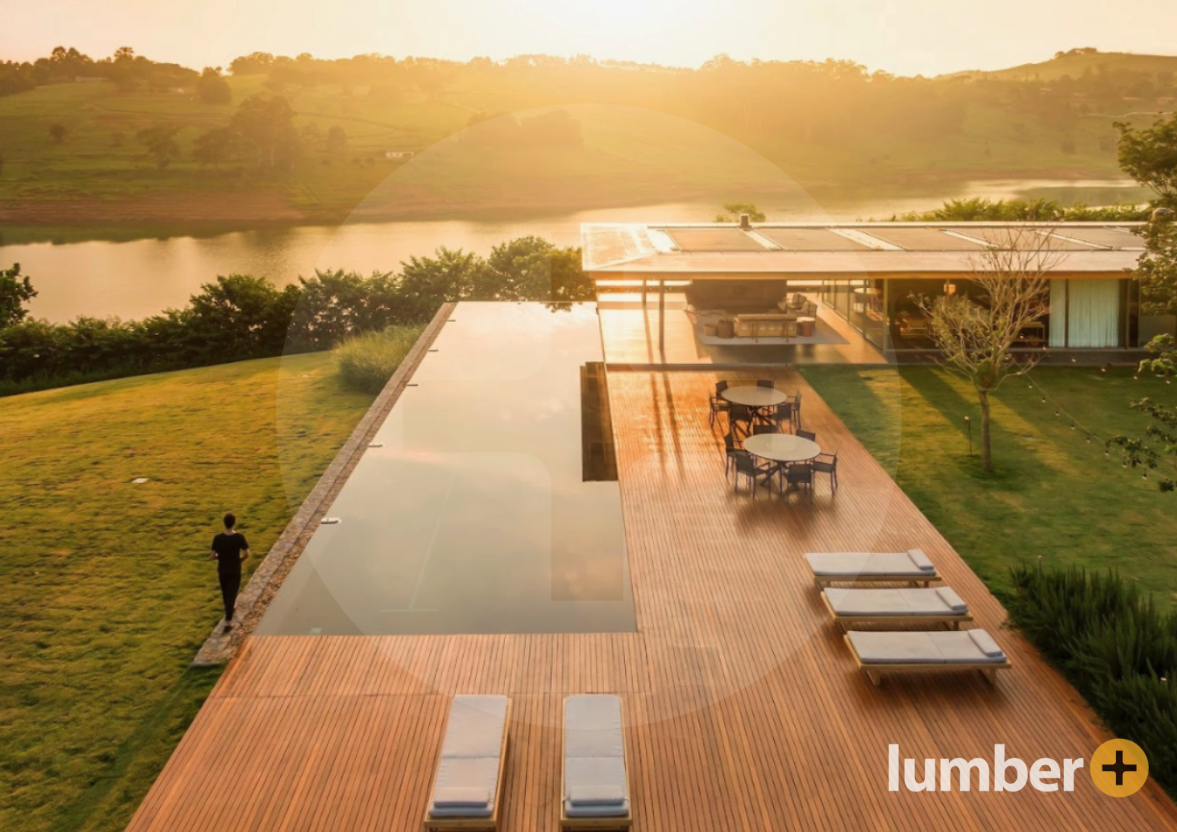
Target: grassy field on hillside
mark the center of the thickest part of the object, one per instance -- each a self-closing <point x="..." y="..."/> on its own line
<point x="100" y="174"/>
<point x="106" y="585"/>
<point x="1052" y="496"/>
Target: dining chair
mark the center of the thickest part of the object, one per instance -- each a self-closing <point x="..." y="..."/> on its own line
<point x="766" y="382"/>
<point x="718" y="403"/>
<point x="800" y="473"/>
<point x="827" y="464"/>
<point x="781" y="415"/>
<point x="807" y="434"/>
<point x="730" y="453"/>
<point x="741" y="414"/>
<point x="746" y="467"/>
<point x="760" y="428"/>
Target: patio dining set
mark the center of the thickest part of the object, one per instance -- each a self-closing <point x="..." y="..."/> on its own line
<point x="764" y="438"/>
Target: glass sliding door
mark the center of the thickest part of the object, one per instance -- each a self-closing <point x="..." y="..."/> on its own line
<point x="1093" y="313"/>
<point x="1086" y="314"/>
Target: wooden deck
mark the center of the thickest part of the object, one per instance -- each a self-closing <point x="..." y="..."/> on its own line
<point x="744" y="709"/>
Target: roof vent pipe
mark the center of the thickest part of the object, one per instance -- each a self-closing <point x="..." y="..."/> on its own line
<point x="745" y="222"/>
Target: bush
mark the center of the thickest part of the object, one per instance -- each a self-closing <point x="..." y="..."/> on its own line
<point x="366" y="362"/>
<point x="1116" y="648"/>
<point x="980" y="209"/>
<point x="241" y="317"/>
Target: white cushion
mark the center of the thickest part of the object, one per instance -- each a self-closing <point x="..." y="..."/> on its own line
<point x="922" y="561"/>
<point x="986" y="644"/>
<point x="468" y="771"/>
<point x="891" y="602"/>
<point x="460" y="797"/>
<point x="952" y="600"/>
<point x="850" y="565"/>
<point x="595" y="782"/>
<point x="596" y="795"/>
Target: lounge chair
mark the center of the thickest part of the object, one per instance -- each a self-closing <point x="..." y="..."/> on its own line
<point x="595" y="786"/>
<point x="911" y="566"/>
<point x="850" y="607"/>
<point x="468" y="784"/>
<point x="926" y="652"/>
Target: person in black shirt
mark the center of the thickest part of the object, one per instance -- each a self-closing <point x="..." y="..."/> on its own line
<point x="229" y="549"/>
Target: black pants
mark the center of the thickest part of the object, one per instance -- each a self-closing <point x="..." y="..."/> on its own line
<point x="230" y="586"/>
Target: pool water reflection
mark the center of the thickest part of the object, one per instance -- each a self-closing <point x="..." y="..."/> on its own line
<point x="473" y="515"/>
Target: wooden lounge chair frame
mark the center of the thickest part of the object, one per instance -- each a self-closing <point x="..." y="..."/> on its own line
<point x="469" y="824"/>
<point x="619" y="822"/>
<point x="875" y="672"/>
<point x="951" y="620"/>
<point x="824" y="581"/>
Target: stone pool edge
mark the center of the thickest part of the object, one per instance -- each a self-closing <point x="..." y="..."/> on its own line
<point x="220" y="647"/>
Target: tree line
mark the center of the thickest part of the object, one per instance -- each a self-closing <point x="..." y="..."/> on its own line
<point x="240" y="317"/>
<point x="833" y="102"/>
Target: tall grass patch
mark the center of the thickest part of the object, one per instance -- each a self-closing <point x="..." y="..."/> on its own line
<point x="366" y="362"/>
<point x="1114" y="645"/>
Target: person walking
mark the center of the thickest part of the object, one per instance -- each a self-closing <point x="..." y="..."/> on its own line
<point x="230" y="549"/>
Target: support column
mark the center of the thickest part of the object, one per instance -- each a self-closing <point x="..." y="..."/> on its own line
<point x="662" y="317"/>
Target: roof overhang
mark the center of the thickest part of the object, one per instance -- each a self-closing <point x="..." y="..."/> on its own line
<point x="633" y="251"/>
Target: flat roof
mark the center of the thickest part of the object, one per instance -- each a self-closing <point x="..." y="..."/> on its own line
<point x="718" y="251"/>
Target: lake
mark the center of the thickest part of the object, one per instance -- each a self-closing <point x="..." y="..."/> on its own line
<point x="141" y="277"/>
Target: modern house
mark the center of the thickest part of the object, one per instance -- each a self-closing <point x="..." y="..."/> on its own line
<point x="772" y="284"/>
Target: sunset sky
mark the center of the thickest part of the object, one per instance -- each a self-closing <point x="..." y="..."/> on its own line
<point x="901" y="36"/>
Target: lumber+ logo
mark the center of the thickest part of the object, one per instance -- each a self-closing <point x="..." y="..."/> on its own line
<point x="1118" y="768"/>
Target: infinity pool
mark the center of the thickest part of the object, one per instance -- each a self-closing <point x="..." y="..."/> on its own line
<point x="472" y="512"/>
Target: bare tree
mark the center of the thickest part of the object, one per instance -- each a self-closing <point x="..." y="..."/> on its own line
<point x="976" y="336"/>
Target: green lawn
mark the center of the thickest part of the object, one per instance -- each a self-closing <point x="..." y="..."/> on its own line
<point x="1053" y="495"/>
<point x="106" y="586"/>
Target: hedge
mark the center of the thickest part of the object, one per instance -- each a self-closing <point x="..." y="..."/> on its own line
<point x="1115" y="646"/>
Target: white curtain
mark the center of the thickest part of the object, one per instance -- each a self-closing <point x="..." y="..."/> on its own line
<point x="1058" y="313"/>
<point x="1093" y="313"/>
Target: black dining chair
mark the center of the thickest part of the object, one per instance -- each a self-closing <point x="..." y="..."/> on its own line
<point x="718" y="403"/>
<point x="796" y="402"/>
<point x="760" y="428"/>
<point x="741" y="414"/>
<point x="746" y="466"/>
<point x="766" y="382"/>
<point x="730" y="453"/>
<point x="782" y="415"/>
<point x="807" y="434"/>
<point x="827" y="464"/>
<point x="800" y="473"/>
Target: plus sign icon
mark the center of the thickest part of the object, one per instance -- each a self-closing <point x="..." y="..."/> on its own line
<point x="1119" y="768"/>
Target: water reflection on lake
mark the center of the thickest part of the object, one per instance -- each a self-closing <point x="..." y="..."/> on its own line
<point x="138" y="278"/>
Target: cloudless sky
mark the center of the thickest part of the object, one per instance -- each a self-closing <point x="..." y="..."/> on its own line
<point x="900" y="36"/>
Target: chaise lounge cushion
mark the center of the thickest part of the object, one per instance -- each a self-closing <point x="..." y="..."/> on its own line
<point x="959" y="647"/>
<point x="595" y="782"/>
<point x="468" y="772"/>
<point x="921" y="560"/>
<point x="895" y="602"/>
<point x="464" y="798"/>
<point x="849" y="565"/>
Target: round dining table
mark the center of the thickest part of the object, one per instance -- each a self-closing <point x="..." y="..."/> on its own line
<point x="751" y="395"/>
<point x="782" y="449"/>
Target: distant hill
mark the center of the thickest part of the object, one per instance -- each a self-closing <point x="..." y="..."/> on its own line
<point x="129" y="142"/>
<point x="1079" y="62"/>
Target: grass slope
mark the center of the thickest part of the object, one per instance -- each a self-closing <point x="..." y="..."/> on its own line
<point x="106" y="585"/>
<point x="1053" y="495"/>
<point x="100" y="175"/>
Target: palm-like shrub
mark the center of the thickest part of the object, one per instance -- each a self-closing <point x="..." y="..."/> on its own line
<point x="1115" y="646"/>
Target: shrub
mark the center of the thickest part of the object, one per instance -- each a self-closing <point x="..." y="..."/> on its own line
<point x="1115" y="646"/>
<point x="366" y="362"/>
